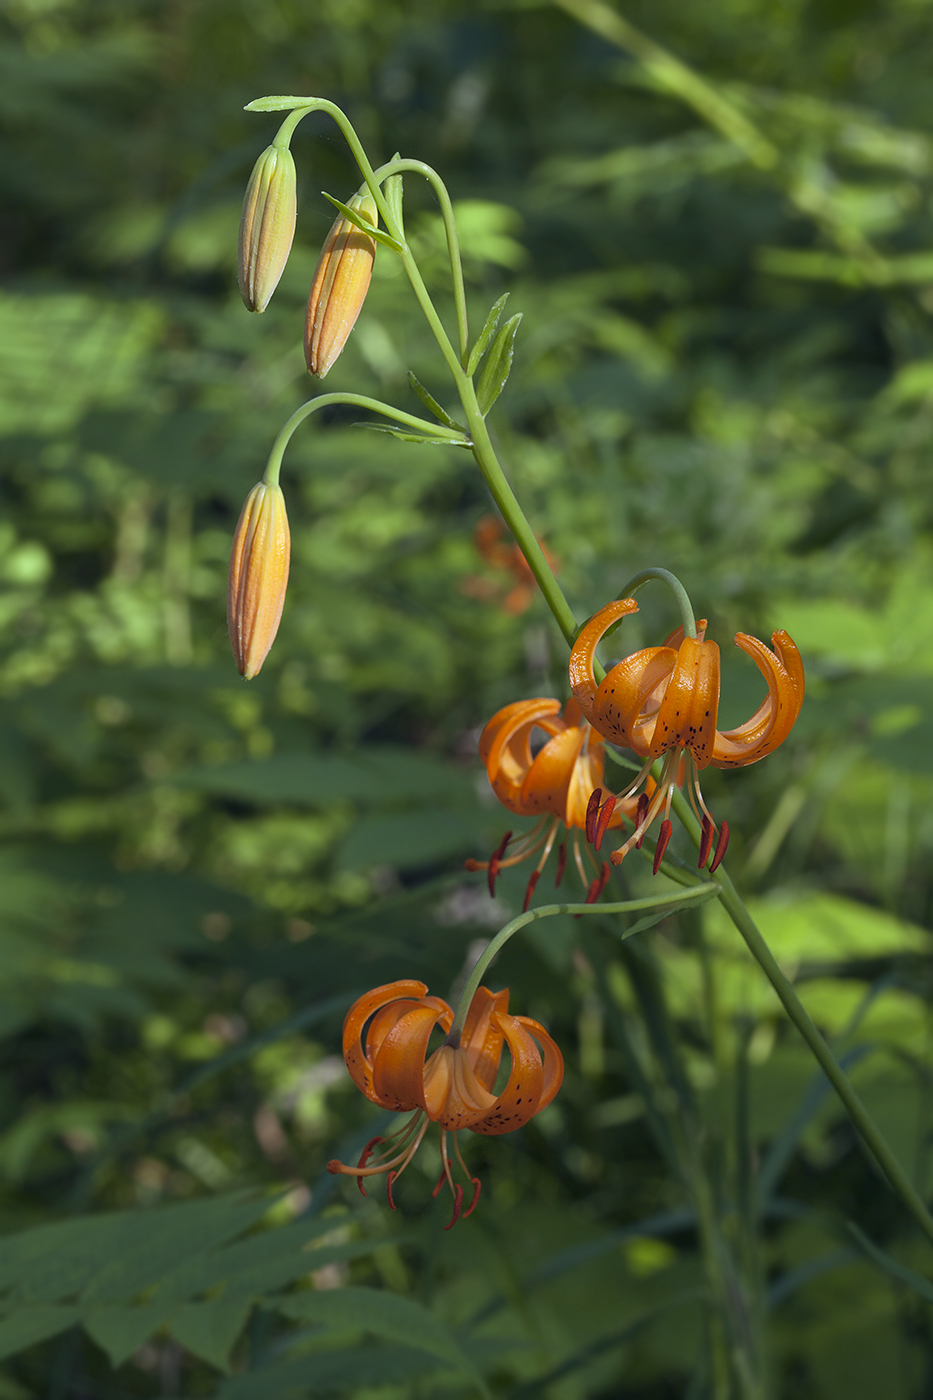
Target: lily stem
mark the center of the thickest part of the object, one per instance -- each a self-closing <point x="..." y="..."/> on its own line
<point x="868" y="1129"/>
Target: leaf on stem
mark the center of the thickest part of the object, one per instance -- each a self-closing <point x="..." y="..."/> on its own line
<point x="431" y="403"/>
<point x="498" y="365"/>
<point x="364" y="225"/>
<point x="433" y="439"/>
<point x="279" y="104"/>
<point x="486" y="334"/>
<point x="393" y="190"/>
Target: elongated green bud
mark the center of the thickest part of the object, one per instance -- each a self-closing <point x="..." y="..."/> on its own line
<point x="267" y="226"/>
<point x="340" y="284"/>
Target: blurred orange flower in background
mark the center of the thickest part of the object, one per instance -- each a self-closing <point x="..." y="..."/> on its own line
<point x="519" y="589"/>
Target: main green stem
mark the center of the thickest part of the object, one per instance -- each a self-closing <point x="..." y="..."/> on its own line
<point x="755" y="942"/>
<point x="507" y="502"/>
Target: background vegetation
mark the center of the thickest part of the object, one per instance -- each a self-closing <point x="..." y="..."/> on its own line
<point x="725" y="368"/>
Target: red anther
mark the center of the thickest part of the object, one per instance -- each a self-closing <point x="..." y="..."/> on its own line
<point x="664" y="835"/>
<point x="499" y="852"/>
<point x="561" y="864"/>
<point x="721" y="845"/>
<point x="530" y="889"/>
<point x="592" y="812"/>
<point x="493" y="868"/>
<point x="440" y="1184"/>
<point x="605" y="817"/>
<point x="389" y="1180"/>
<point x="641" y="815"/>
<point x="364" y="1158"/>
<point x="477" y="1187"/>
<point x="706" y="842"/>
<point x="598" y="884"/>
<point x="368" y="1151"/>
<point x="458" y="1207"/>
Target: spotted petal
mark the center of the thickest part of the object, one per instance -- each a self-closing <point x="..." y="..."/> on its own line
<point x="532" y="1082"/>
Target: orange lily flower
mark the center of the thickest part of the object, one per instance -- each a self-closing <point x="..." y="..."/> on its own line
<point x="554" y="784"/>
<point x="665" y="700"/>
<point x="453" y="1086"/>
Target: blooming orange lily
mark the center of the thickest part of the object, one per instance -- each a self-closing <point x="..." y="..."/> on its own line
<point x="555" y="784"/>
<point x="665" y="700"/>
<point x="453" y="1086"/>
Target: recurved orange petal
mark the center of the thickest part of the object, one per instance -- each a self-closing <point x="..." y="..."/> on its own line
<point x="548" y="781"/>
<point x="582" y="679"/>
<point x="398" y="1068"/>
<point x="521" y="1097"/>
<point x="357" y="1063"/>
<point x="553" y="1060"/>
<point x="505" y="745"/>
<point x="770" y="725"/>
<point x="482" y="1038"/>
<point x="626" y="691"/>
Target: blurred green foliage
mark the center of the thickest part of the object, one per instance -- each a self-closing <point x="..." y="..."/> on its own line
<point x="725" y="367"/>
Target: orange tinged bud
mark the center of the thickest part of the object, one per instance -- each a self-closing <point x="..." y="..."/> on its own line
<point x="267" y="226"/>
<point x="258" y="576"/>
<point x="340" y="284"/>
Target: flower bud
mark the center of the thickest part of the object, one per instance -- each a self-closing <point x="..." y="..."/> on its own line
<point x="267" y="226"/>
<point x="258" y="576"/>
<point x="339" y="287"/>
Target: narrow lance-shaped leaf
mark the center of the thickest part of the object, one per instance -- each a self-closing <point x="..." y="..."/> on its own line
<point x="486" y="334"/>
<point x="431" y="403"/>
<point x="393" y="189"/>
<point x="354" y="216"/>
<point x="432" y="439"/>
<point x="498" y="365"/>
<point x="278" y="104"/>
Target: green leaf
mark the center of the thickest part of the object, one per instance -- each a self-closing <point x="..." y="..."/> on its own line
<point x="498" y="365"/>
<point x="393" y="189"/>
<point x="780" y="1151"/>
<point x="383" y="1314"/>
<point x="27" y="1326"/>
<point x="261" y="1263"/>
<point x="318" y="1372"/>
<point x="122" y="1331"/>
<point x="278" y="104"/>
<point x="407" y="839"/>
<point x="892" y="1267"/>
<point x="431" y="440"/>
<point x="373" y="776"/>
<point x="160" y="1240"/>
<point x="364" y="225"/>
<point x="431" y="403"/>
<point x="209" y="1330"/>
<point x="486" y="334"/>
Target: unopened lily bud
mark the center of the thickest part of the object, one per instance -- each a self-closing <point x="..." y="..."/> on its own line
<point x="258" y="576"/>
<point x="339" y="287"/>
<point x="267" y="226"/>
